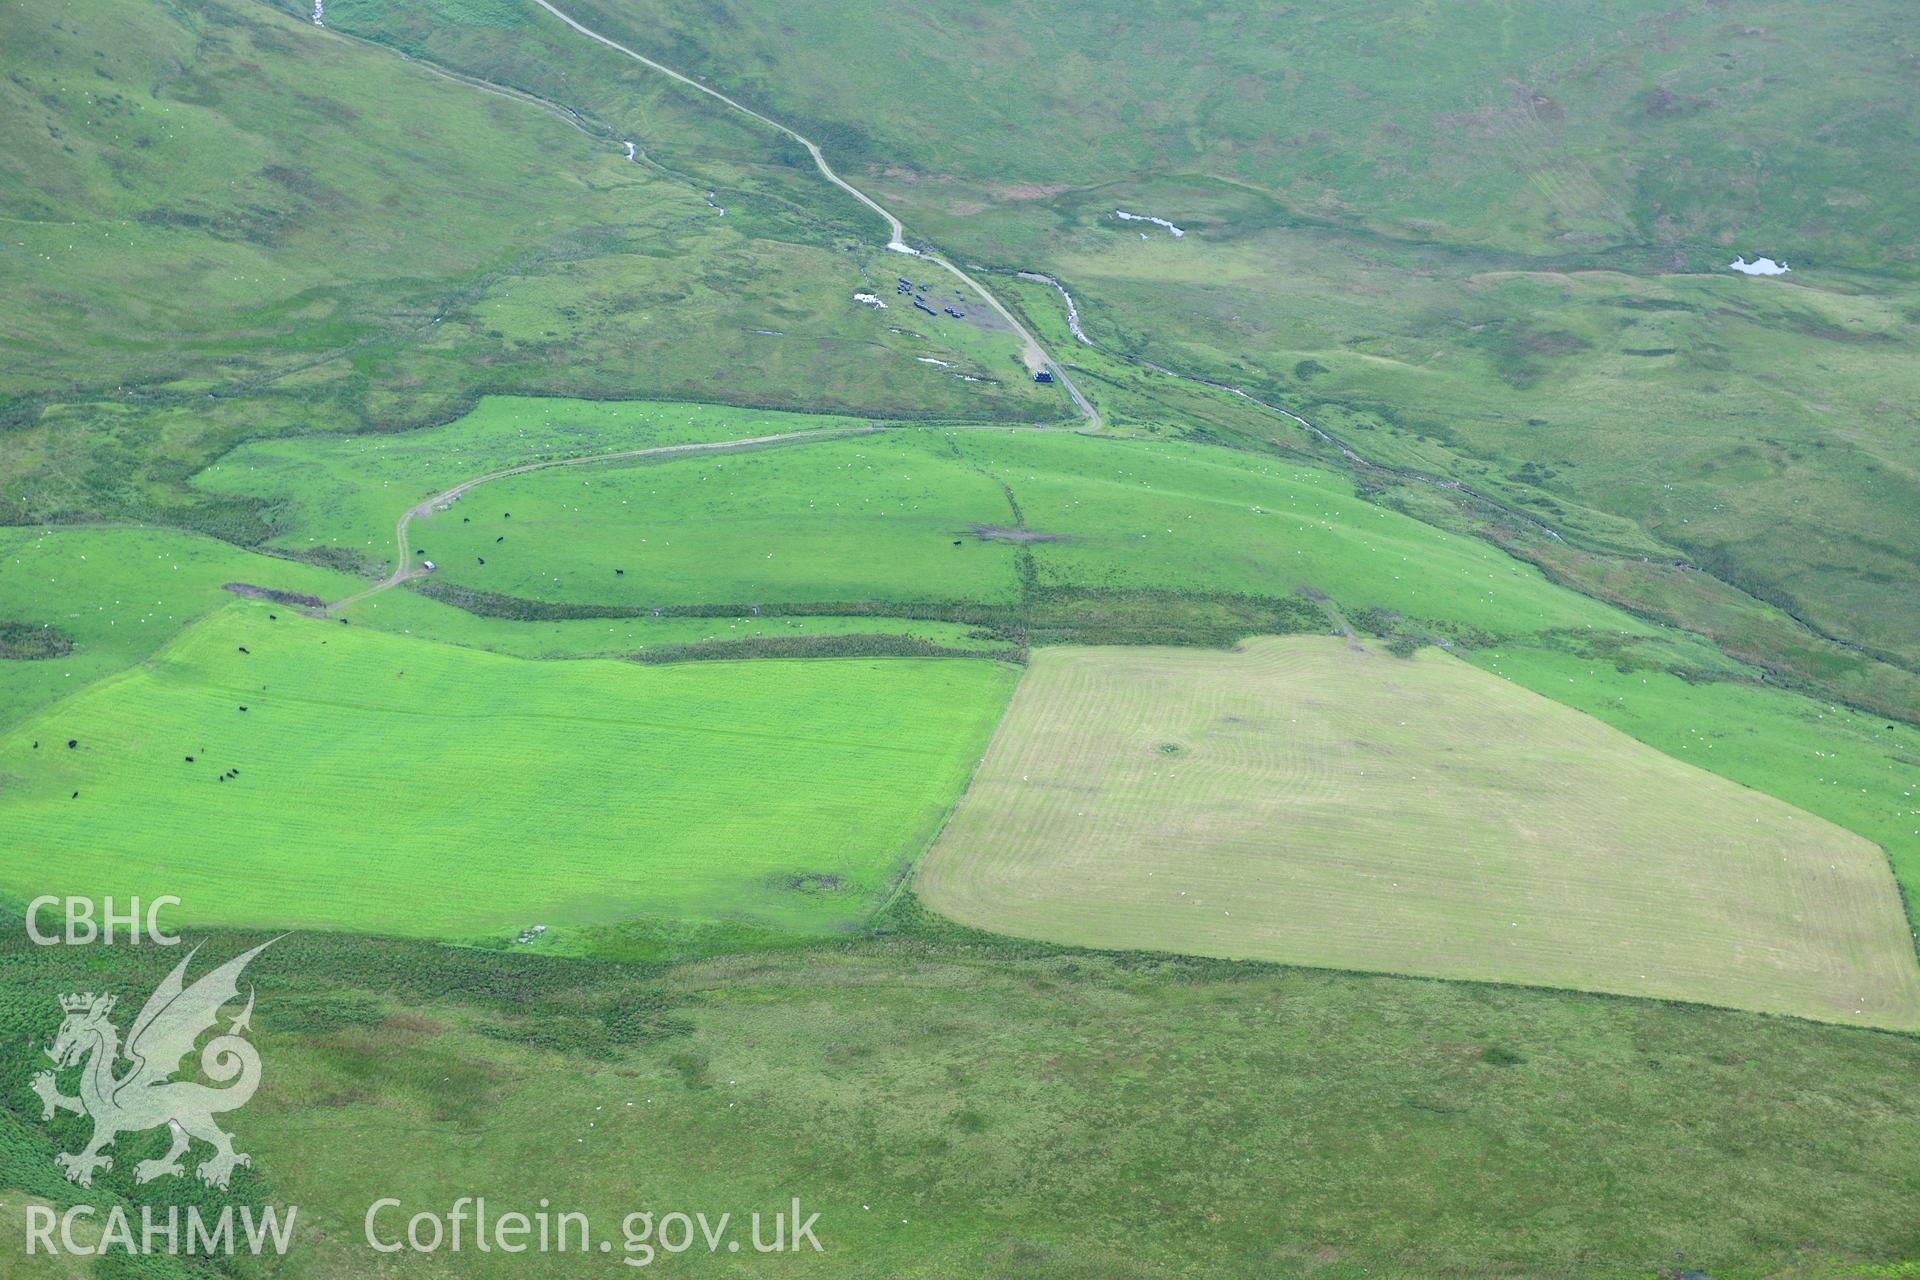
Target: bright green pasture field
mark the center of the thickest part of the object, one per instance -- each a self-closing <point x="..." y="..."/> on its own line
<point x="1182" y="517"/>
<point x="872" y="518"/>
<point x="393" y="785"/>
<point x="878" y="517"/>
<point x="1310" y="801"/>
<point x="347" y="491"/>
<point x="120" y="595"/>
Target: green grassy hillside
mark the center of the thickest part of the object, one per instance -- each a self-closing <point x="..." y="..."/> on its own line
<point x="209" y="238"/>
<point x="266" y="286"/>
<point x="1525" y="126"/>
<point x="1335" y="1125"/>
<point x="1489" y="244"/>
<point x="1756" y="428"/>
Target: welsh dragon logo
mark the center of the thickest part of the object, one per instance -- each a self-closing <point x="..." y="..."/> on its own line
<point x="144" y="1095"/>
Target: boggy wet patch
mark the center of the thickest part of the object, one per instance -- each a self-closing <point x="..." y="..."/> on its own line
<point x="1000" y="533"/>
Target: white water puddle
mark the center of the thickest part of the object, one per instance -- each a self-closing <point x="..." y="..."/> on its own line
<point x="319" y="13"/>
<point x="632" y="153"/>
<point x="716" y="208"/>
<point x="898" y="246"/>
<point x="1758" y="267"/>
<point x="1124" y="216"/>
<point x="870" y="300"/>
<point x="930" y="360"/>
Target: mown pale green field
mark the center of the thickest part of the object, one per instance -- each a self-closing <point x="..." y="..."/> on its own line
<point x="1859" y="771"/>
<point x="1308" y="801"/>
<point x="392" y="785"/>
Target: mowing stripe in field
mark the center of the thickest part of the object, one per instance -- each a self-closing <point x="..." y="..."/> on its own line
<point x="1308" y="801"/>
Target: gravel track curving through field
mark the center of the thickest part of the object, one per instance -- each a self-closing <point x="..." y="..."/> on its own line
<point x="1035" y="355"/>
<point x="404" y="569"/>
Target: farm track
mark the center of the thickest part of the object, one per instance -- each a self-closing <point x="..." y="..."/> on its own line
<point x="1035" y="355"/>
<point x="404" y="570"/>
